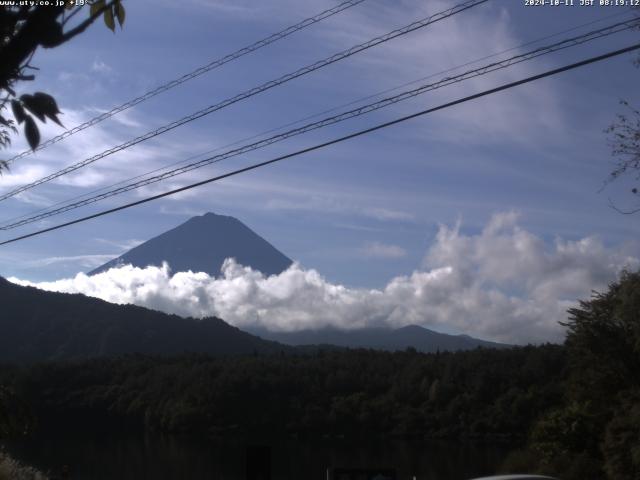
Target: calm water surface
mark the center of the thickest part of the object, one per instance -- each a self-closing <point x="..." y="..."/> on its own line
<point x="101" y="456"/>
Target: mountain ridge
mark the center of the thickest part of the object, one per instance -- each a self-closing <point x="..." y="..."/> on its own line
<point x="38" y="325"/>
<point x="41" y="325"/>
<point x="380" y="338"/>
<point x="201" y="244"/>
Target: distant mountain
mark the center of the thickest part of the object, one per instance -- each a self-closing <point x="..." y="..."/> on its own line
<point x="422" y="339"/>
<point x="201" y="244"/>
<point x="37" y="326"/>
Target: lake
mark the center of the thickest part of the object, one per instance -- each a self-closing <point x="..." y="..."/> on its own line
<point x="101" y="456"/>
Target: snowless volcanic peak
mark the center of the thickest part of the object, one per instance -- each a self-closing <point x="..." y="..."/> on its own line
<point x="201" y="244"/>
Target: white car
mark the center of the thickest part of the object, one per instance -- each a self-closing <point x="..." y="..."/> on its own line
<point x="516" y="477"/>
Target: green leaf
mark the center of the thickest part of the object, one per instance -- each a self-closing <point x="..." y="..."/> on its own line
<point x="95" y="7"/>
<point x="18" y="111"/>
<point x="48" y="106"/>
<point x="32" y="104"/>
<point x="42" y="105"/>
<point x="48" y="101"/>
<point x="56" y="119"/>
<point x="109" y="20"/>
<point x="120" y="13"/>
<point x="31" y="131"/>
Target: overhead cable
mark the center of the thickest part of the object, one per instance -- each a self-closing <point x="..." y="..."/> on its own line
<point x="310" y="117"/>
<point x="193" y="74"/>
<point x="333" y="142"/>
<point x="254" y="91"/>
<point x="492" y="67"/>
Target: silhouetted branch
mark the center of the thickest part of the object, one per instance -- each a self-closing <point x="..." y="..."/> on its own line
<point x="624" y="212"/>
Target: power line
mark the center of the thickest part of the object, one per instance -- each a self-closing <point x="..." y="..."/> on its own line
<point x="195" y="73"/>
<point x="492" y="67"/>
<point x="335" y="141"/>
<point x="7" y="225"/>
<point x="254" y="91"/>
<point x="616" y="28"/>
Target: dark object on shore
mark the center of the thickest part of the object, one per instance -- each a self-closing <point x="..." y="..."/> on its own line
<point x="516" y="477"/>
<point x="65" y="474"/>
<point x="258" y="462"/>
<point x="362" y="474"/>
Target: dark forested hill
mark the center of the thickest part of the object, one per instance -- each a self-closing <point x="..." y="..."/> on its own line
<point x="480" y="393"/>
<point x="422" y="339"/>
<point x="201" y="244"/>
<point x="36" y="325"/>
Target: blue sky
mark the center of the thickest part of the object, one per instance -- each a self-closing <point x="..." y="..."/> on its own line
<point x="363" y="212"/>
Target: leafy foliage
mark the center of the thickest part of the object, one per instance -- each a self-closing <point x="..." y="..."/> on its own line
<point x="11" y="469"/>
<point x="15" y="417"/>
<point x="481" y="394"/>
<point x="25" y="28"/>
<point x="624" y="138"/>
<point x="578" y="403"/>
<point x="596" y="433"/>
<point x="604" y="342"/>
<point x="621" y="446"/>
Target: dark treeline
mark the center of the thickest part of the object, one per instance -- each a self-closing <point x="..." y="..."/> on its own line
<point x="573" y="409"/>
<point x="480" y="393"/>
<point x="595" y="432"/>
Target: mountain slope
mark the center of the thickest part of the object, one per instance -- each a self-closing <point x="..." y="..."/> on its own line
<point x="201" y="244"/>
<point x="36" y="326"/>
<point x="422" y="339"/>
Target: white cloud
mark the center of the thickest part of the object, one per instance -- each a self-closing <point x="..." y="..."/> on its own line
<point x="99" y="66"/>
<point x="415" y="55"/>
<point x="19" y="174"/>
<point x="85" y="261"/>
<point x="335" y="204"/>
<point x="182" y="211"/>
<point x="132" y="161"/>
<point x="32" y="198"/>
<point x="388" y="214"/>
<point x="451" y="47"/>
<point x="231" y="8"/>
<point x="123" y="245"/>
<point x="382" y="250"/>
<point x="503" y="283"/>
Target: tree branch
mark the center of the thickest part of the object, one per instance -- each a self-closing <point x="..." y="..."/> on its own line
<point x="71" y="15"/>
<point x="84" y="25"/>
<point x="623" y="212"/>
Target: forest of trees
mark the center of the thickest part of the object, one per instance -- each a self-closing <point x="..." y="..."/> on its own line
<point x="573" y="409"/>
<point x="481" y="393"/>
<point x="595" y="432"/>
